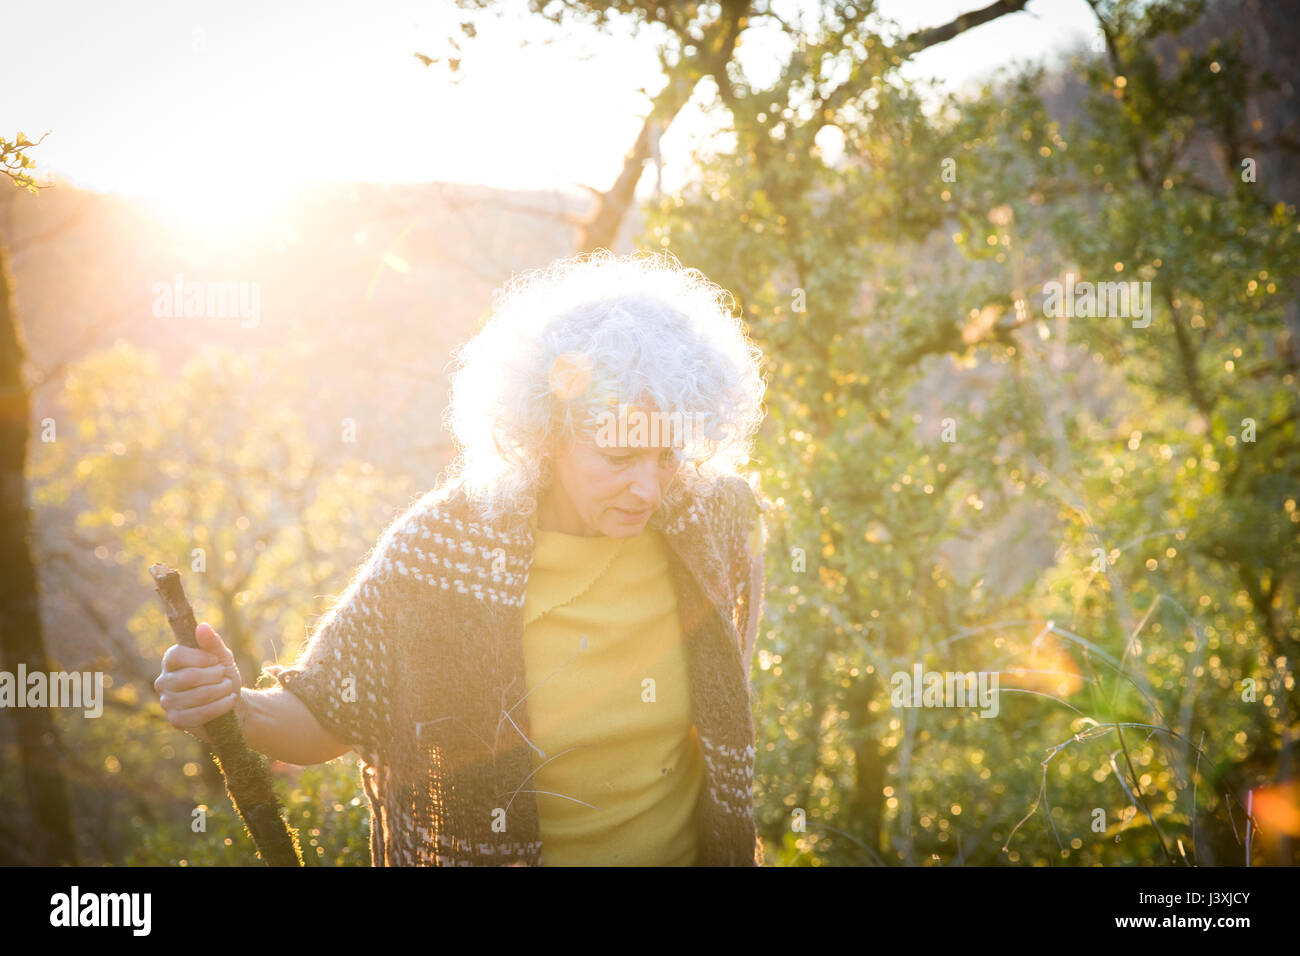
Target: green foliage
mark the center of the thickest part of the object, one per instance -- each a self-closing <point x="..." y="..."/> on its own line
<point x="897" y="295"/>
<point x="15" y="162"/>
<point x="333" y="823"/>
<point x="195" y="473"/>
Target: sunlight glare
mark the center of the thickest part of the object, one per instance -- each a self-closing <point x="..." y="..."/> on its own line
<point x="213" y="205"/>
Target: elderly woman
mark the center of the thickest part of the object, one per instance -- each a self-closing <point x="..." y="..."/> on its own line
<point x="546" y="660"/>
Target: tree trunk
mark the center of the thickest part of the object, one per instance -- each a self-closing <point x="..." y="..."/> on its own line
<point x="602" y="229"/>
<point x="21" y="640"/>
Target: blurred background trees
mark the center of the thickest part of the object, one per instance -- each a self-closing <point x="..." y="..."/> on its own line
<point x="980" y="486"/>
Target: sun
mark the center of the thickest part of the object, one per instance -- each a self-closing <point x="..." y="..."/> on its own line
<point x="206" y="199"/>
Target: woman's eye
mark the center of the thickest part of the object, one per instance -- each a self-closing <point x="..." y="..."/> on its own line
<point x="665" y="458"/>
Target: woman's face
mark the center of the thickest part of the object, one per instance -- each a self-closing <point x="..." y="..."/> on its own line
<point x="606" y="490"/>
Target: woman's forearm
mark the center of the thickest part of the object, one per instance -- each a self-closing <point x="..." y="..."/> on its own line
<point x="275" y="722"/>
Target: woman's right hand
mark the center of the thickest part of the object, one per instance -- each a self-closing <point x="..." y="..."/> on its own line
<point x="199" y="684"/>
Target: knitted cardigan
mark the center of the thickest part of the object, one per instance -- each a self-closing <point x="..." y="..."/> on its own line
<point x="420" y="668"/>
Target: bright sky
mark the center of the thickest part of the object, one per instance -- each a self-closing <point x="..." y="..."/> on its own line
<point x="213" y="109"/>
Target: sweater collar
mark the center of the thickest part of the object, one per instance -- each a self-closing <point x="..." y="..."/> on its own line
<point x="689" y="522"/>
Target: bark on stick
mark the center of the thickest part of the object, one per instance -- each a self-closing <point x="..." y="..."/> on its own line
<point x="248" y="778"/>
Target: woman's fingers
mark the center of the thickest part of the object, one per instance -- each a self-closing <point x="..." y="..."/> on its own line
<point x="198" y="716"/>
<point x="178" y="702"/>
<point x="190" y="677"/>
<point x="178" y="656"/>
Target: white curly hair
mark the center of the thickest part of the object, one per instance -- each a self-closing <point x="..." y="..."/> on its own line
<point x="566" y="343"/>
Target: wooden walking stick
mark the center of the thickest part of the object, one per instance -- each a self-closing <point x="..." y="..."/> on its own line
<point x="248" y="779"/>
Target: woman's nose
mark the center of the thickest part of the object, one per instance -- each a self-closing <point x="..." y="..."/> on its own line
<point x="645" y="483"/>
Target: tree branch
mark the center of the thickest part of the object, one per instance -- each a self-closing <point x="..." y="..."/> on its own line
<point x="922" y="39"/>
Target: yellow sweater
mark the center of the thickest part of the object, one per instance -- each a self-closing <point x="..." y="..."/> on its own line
<point x="609" y="704"/>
